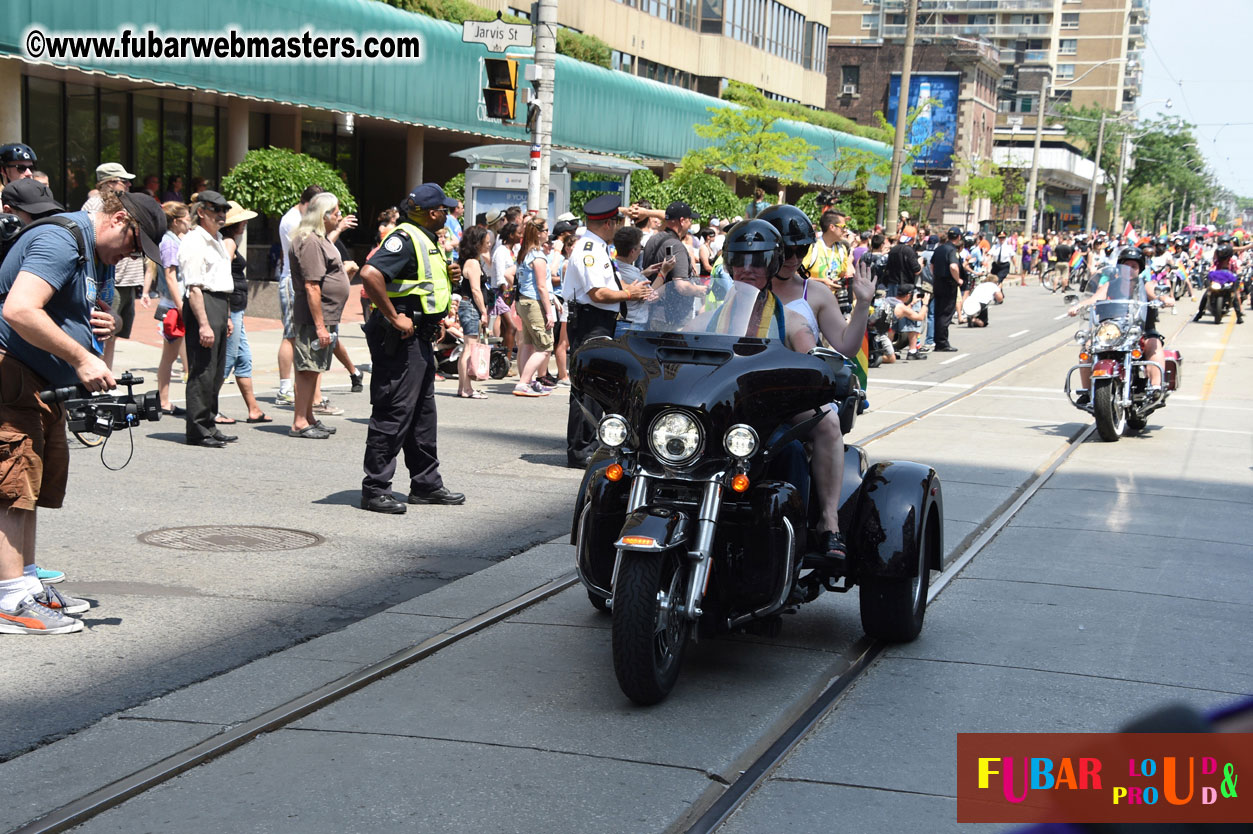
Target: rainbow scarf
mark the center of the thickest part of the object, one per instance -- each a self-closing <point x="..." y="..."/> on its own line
<point x="767" y="315"/>
<point x="861" y="367"/>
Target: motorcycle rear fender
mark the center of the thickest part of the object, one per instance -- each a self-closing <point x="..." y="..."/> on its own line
<point x="901" y="505"/>
<point x="1173" y="361"/>
<point x="653" y="529"/>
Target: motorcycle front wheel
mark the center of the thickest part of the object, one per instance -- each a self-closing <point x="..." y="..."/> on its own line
<point x="1111" y="418"/>
<point x="649" y="633"/>
<point x="1216" y="308"/>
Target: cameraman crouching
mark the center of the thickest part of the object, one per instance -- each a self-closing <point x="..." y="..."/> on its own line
<point x="50" y="323"/>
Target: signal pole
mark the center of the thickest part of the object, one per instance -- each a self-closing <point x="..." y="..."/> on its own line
<point x="541" y="73"/>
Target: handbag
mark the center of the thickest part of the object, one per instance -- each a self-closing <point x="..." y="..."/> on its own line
<point x="480" y="362"/>
<point x="172" y="324"/>
<point x="514" y="318"/>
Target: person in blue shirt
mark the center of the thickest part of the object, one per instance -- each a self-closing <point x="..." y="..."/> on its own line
<point x="50" y="318"/>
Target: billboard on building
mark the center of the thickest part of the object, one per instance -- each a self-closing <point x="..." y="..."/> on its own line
<point x="937" y="117"/>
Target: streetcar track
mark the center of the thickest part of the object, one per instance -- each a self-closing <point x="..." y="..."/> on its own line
<point x="859" y="656"/>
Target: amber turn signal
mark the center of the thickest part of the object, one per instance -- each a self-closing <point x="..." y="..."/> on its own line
<point x="614" y="472"/>
<point x="1083" y="357"/>
<point x="740" y="483"/>
<point x="1135" y="354"/>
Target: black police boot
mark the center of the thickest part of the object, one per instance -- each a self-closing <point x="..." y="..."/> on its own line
<point x="439" y="496"/>
<point x="385" y="503"/>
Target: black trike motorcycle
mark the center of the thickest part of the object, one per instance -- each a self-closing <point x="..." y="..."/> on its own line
<point x="697" y="515"/>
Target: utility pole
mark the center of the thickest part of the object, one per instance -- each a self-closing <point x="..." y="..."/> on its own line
<point x="1032" y="180"/>
<point x="1096" y="172"/>
<point x="1122" y="167"/>
<point x="902" y="111"/>
<point x="541" y="74"/>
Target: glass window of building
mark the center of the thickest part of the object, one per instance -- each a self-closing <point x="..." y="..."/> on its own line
<point x="1067" y="46"/>
<point x="850" y="76"/>
<point x="45" y="132"/>
<point x="204" y="137"/>
<point x="176" y="144"/>
<point x="81" y="153"/>
<point x="1065" y="70"/>
<point x="1070" y="20"/>
<point x="869" y="21"/>
<point x="114" y="144"/>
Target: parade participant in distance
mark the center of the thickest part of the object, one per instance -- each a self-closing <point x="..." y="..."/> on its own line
<point x="946" y="270"/>
<point x="409" y="283"/>
<point x="29" y="200"/>
<point x="49" y="324"/>
<point x="1152" y="341"/>
<point x="597" y="298"/>
<point x="130" y="275"/>
<point x="287" y="347"/>
<point x="975" y="306"/>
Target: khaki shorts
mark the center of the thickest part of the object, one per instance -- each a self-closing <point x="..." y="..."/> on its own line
<point x="534" y="332"/>
<point x="309" y="355"/>
<point x="34" y="455"/>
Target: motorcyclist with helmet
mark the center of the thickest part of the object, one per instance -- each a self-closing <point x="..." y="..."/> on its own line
<point x="17" y="161"/>
<point x="1224" y="259"/>
<point x="1152" y="340"/>
<point x="767" y="253"/>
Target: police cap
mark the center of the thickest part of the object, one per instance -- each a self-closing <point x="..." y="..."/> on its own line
<point x="604" y="207"/>
<point x="428" y="195"/>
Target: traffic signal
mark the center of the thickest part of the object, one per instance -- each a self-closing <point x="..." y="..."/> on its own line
<point x="502" y="87"/>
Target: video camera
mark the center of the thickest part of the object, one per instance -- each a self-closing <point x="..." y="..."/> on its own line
<point x="102" y="413"/>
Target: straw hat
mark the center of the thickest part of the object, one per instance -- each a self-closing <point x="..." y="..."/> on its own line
<point x="236" y="213"/>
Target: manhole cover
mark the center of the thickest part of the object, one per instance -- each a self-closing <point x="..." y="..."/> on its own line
<point x="232" y="538"/>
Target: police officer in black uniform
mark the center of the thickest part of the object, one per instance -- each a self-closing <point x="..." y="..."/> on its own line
<point x="598" y="298"/>
<point x="410" y="284"/>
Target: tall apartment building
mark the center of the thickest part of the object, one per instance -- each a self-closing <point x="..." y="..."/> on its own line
<point x="778" y="47"/>
<point x="1098" y="44"/>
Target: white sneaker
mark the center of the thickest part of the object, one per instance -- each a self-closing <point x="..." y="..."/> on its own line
<point x="63" y="603"/>
<point x="32" y="618"/>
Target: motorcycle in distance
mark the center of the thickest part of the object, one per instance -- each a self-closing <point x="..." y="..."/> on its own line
<point x="1112" y="347"/>
<point x="1220" y="293"/>
<point x="697" y="516"/>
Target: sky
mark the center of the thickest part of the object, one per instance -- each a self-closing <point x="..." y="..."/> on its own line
<point x="1197" y="55"/>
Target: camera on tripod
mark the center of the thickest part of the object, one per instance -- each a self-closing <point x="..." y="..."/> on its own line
<point x="103" y="413"/>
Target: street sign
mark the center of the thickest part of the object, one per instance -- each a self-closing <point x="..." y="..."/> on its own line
<point x="496" y="35"/>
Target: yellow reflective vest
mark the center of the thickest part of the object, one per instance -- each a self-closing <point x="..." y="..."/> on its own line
<point x="430" y="284"/>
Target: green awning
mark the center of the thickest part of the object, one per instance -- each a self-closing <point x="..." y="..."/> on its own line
<point x="596" y="109"/>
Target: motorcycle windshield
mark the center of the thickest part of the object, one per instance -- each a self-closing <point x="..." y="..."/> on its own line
<point x="1125" y="296"/>
<point x="711" y="370"/>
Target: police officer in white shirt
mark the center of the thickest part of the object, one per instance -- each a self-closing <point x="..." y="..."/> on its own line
<point x="1002" y="255"/>
<point x="598" y="297"/>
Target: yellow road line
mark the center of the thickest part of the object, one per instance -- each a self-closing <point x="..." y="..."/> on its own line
<point x="1217" y="360"/>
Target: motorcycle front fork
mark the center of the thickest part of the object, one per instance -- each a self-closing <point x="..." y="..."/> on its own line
<point x="701" y="553"/>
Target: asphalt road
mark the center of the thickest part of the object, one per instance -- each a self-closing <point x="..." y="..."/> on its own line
<point x="164" y="618"/>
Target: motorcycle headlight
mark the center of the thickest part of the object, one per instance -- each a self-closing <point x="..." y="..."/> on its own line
<point x="1108" y="332"/>
<point x="675" y="437"/>
<point x="1082" y="336"/>
<point x="1214" y="285"/>
<point x="613" y="431"/>
<point x="740" y="441"/>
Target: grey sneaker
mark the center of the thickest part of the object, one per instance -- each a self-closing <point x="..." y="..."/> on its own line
<point x="285" y="398"/>
<point x="325" y="408"/>
<point x="64" y="603"/>
<point x="33" y="618"/>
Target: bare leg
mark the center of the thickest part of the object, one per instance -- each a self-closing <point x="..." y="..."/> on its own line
<point x="168" y="351"/>
<point x="341" y="353"/>
<point x="306" y="388"/>
<point x="465" y="387"/>
<point x="827" y="466"/>
<point x="244" y="383"/>
<point x="562" y="350"/>
<point x="536" y="364"/>
<point x="17" y="541"/>
<point x="286" y="359"/>
<point x="525" y="352"/>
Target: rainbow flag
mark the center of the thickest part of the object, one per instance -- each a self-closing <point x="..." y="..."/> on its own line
<point x="1075" y="259"/>
<point x="862" y="364"/>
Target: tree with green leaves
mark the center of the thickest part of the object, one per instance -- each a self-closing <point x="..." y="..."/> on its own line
<point x="742" y="141"/>
<point x="269" y="181"/>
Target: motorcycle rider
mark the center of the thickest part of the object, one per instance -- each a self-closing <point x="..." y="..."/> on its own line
<point x="1224" y="259"/>
<point x="758" y="254"/>
<point x="1152" y="341"/>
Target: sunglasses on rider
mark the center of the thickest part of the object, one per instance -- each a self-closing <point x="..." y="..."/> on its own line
<point x="21" y="166"/>
<point x="795" y="251"/>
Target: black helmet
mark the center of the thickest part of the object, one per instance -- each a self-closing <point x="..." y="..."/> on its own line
<point x="792" y="224"/>
<point x="1223" y="240"/>
<point x="1224" y="252"/>
<point x="16" y="152"/>
<point x="969" y="238"/>
<point x="1131" y="253"/>
<point x="754" y="243"/>
<point x="1162" y="241"/>
<point x="10" y="227"/>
